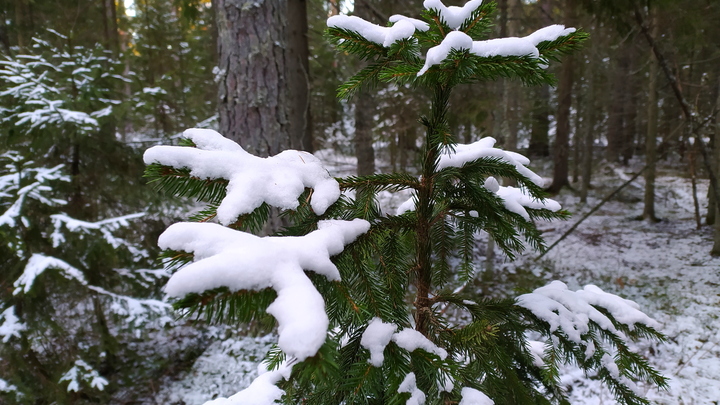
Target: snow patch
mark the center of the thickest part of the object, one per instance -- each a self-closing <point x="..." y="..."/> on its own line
<point x="83" y="372"/>
<point x="572" y="311"/>
<point x="455" y="40"/>
<point x="471" y="396"/>
<point x="262" y="391"/>
<point x="409" y="385"/>
<point x="11" y="326"/>
<point x="411" y="340"/>
<point x="453" y="16"/>
<point x="376" y="337"/>
<point x="37" y="265"/>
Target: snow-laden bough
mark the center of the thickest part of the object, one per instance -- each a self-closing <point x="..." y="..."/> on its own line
<point x="242" y="261"/>
<point x="277" y="180"/>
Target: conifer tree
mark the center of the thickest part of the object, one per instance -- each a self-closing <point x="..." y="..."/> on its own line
<point x="361" y="297"/>
<point x="74" y="277"/>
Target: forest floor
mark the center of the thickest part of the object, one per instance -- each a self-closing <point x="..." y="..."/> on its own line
<point x="665" y="267"/>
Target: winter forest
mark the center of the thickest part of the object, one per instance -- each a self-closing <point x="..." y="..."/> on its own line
<point x="483" y="202"/>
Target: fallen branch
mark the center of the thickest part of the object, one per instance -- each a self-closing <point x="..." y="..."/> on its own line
<point x="592" y="211"/>
<point x="617" y="190"/>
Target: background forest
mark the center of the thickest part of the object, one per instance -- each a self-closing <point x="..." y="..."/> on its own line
<point x="627" y="139"/>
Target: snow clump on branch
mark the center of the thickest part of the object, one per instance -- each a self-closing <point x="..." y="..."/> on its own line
<point x="278" y="180"/>
<point x="403" y="28"/>
<point x="379" y="334"/>
<point x="242" y="261"/>
<point x="512" y="46"/>
<point x="514" y="199"/>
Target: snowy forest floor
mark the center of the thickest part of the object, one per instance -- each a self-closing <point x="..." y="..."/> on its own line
<point x="664" y="267"/>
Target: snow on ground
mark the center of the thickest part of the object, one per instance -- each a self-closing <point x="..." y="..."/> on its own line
<point x="227" y="366"/>
<point x="665" y="267"/>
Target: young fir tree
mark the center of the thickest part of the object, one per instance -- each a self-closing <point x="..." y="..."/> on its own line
<point x="71" y="264"/>
<point x="370" y="325"/>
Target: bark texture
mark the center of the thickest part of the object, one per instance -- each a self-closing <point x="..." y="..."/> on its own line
<point x="298" y="76"/>
<point x="561" y="150"/>
<point x="260" y="96"/>
<point x="539" y="139"/>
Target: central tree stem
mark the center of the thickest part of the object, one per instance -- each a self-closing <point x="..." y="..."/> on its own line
<point x="425" y="207"/>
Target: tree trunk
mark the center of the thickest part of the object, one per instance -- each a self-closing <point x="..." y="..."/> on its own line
<point x="577" y="134"/>
<point x="716" y="245"/>
<point x="298" y="76"/>
<point x="254" y="97"/>
<point x="539" y="137"/>
<point x="510" y="88"/>
<point x="561" y="151"/>
<point x="24" y="22"/>
<point x="364" y="134"/>
<point x="616" y="121"/>
<point x="364" y="114"/>
<point x="588" y="136"/>
<point x="630" y="110"/>
<point x="651" y="136"/>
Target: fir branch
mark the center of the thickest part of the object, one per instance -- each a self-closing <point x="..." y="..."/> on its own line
<point x="181" y="183"/>
<point x="352" y="42"/>
<point x="406" y="50"/>
<point x="253" y="222"/>
<point x="173" y="260"/>
<point x="480" y="22"/>
<point x="392" y="182"/>
<point x="221" y="305"/>
<point x="368" y="76"/>
<point x="433" y="17"/>
<point x="553" y="50"/>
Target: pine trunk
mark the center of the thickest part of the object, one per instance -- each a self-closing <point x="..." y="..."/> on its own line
<point x="651" y="136"/>
<point x="425" y="212"/>
<point x="539" y="134"/>
<point x="716" y="245"/>
<point x="298" y="76"/>
<point x="616" y="120"/>
<point x="254" y="97"/>
<point x="561" y="151"/>
<point x="539" y="137"/>
<point x="562" y="136"/>
<point x="588" y="135"/>
<point x="630" y="127"/>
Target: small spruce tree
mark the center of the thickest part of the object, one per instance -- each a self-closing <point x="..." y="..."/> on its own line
<point x="75" y="291"/>
<point x="371" y="325"/>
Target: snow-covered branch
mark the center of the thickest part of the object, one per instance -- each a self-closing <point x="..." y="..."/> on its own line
<point x="278" y="180"/>
<point x="239" y="260"/>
